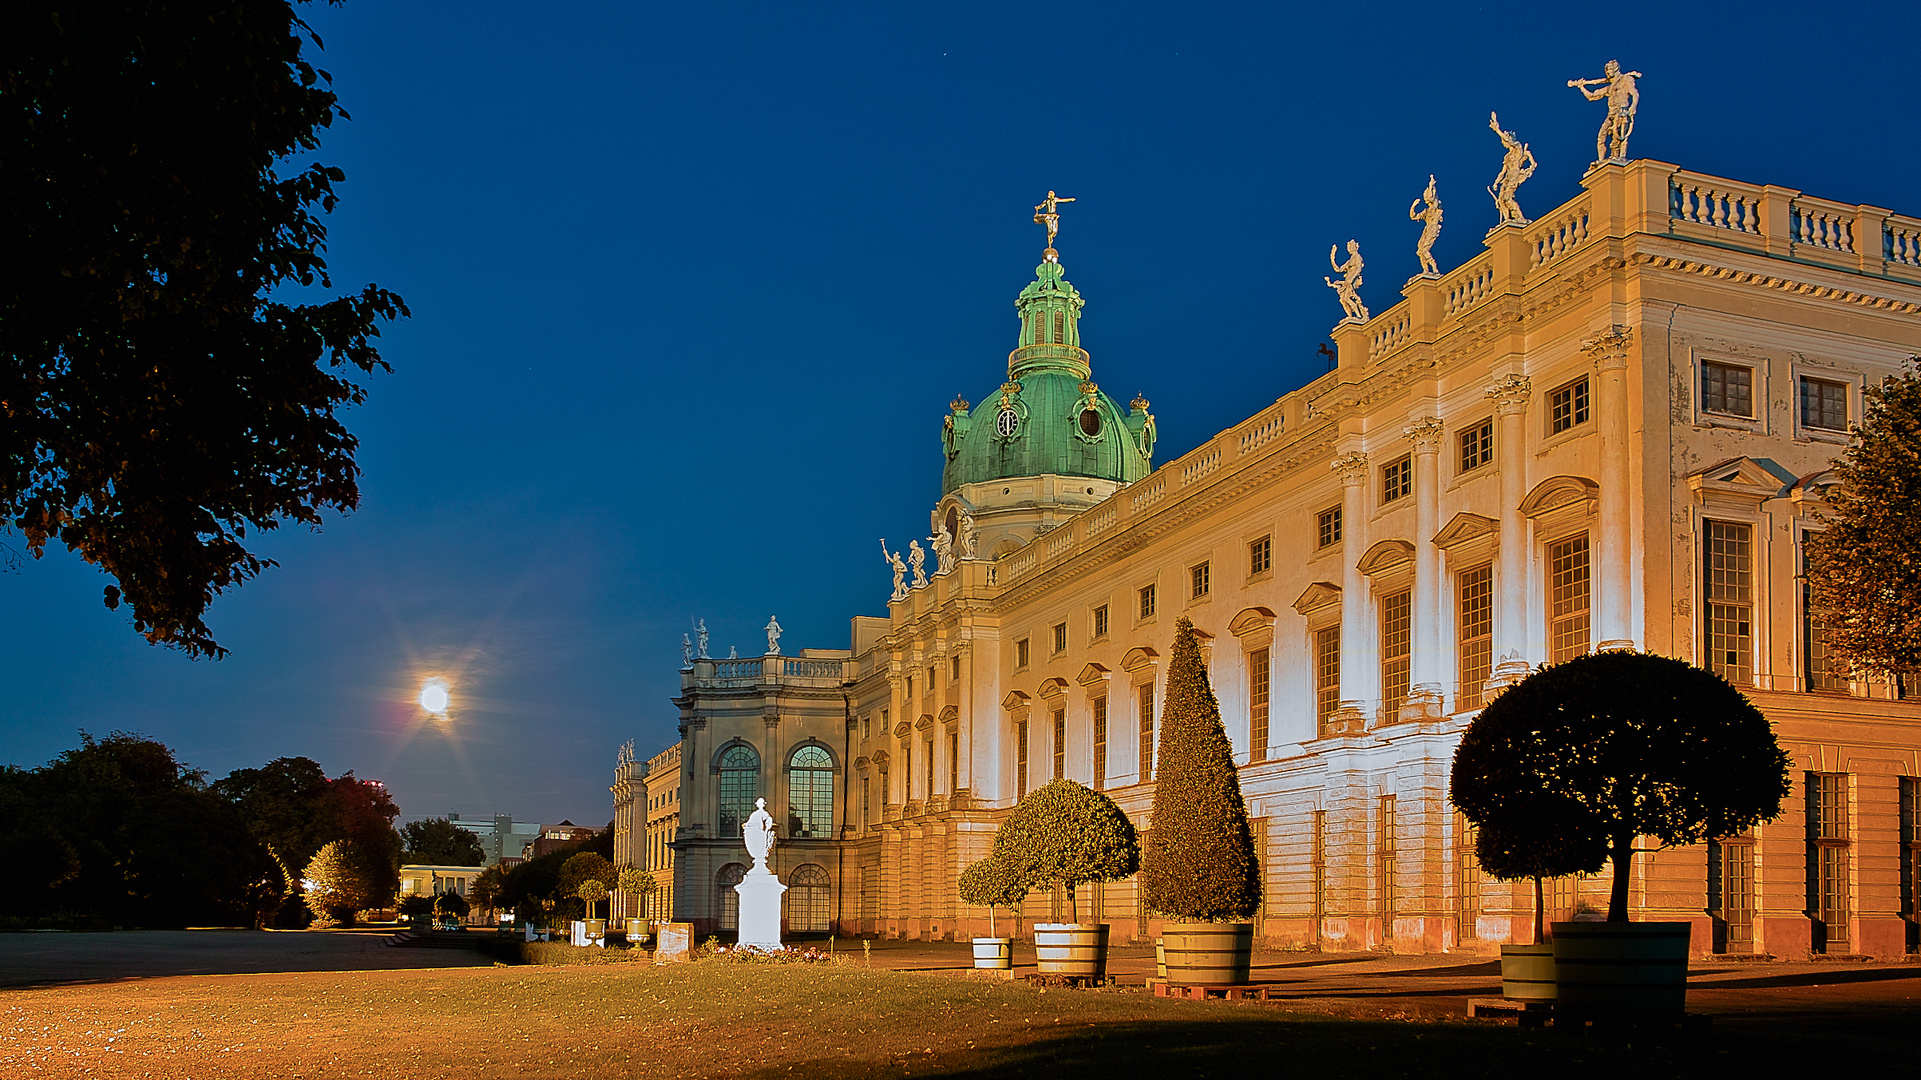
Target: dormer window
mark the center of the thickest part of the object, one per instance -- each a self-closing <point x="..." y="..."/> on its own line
<point x="1060" y="327"/>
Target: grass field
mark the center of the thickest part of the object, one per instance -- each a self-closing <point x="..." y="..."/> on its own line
<point x="714" y="1019"/>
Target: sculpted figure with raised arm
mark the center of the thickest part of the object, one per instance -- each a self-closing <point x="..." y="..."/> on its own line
<point x="1623" y="98"/>
<point x="1517" y="164"/>
<point x="1348" y="289"/>
<point x="1430" y="219"/>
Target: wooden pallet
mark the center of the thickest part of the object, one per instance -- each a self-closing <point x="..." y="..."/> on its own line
<point x="1531" y="1014"/>
<point x="1165" y="989"/>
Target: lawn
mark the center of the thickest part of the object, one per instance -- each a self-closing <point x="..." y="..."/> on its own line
<point x="715" y="1019"/>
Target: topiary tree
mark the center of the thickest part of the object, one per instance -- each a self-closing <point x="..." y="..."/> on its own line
<point x="1199" y="864"/>
<point x="341" y="879"/>
<point x="636" y="882"/>
<point x="591" y="892"/>
<point x="580" y="867"/>
<point x="1519" y="854"/>
<point x="988" y="883"/>
<point x="1067" y="835"/>
<point x="1570" y="766"/>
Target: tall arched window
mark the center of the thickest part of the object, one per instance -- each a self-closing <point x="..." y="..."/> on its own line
<point x="730" y="875"/>
<point x="810" y="794"/>
<point x="807" y="900"/>
<point x="739" y="785"/>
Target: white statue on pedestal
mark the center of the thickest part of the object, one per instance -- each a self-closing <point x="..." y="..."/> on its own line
<point x="1348" y="289"/>
<point x="759" y="890"/>
<point x="686" y="652"/>
<point x="1624" y="99"/>
<point x="899" y="568"/>
<point x="943" y="550"/>
<point x="700" y="635"/>
<point x="970" y="537"/>
<point x="1517" y="164"/>
<point x="1430" y="220"/>
<point x="773" y="636"/>
<point x="918" y="560"/>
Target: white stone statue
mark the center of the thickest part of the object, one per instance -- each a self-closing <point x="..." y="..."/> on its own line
<point x="899" y="568"/>
<point x="733" y="652"/>
<point x="773" y="636"/>
<point x="758" y="831"/>
<point x="1624" y="99"/>
<point x="1348" y="289"/>
<point x="943" y="550"/>
<point x="1517" y="164"/>
<point x="918" y="560"/>
<point x="700" y="636"/>
<point x="686" y="652"/>
<point x="1430" y="219"/>
<point x="970" y="537"/>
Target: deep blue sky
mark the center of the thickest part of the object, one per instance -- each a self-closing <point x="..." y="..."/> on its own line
<point x="693" y="284"/>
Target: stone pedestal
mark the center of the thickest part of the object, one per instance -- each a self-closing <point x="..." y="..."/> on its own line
<point x="760" y="893"/>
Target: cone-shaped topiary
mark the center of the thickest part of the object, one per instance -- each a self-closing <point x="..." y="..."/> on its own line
<point x="1579" y="760"/>
<point x="990" y="884"/>
<point x="1199" y="864"/>
<point x="1067" y="835"/>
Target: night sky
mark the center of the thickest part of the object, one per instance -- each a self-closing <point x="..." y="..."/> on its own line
<point x="693" y="284"/>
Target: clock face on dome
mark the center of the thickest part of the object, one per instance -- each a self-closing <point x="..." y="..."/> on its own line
<point x="1006" y="423"/>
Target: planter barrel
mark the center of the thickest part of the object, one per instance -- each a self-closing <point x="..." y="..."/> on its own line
<point x="1527" y="972"/>
<point x="1072" y="949"/>
<point x="1208" y="954"/>
<point x="993" y="953"/>
<point x="1160" y="958"/>
<point x="1602" y="967"/>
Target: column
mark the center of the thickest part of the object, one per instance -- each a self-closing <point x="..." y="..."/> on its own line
<point x="1425" y="696"/>
<point x="1613" y="569"/>
<point x="1360" y="682"/>
<point x="1510" y="396"/>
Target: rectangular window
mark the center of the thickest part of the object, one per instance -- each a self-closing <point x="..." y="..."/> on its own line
<point x="1327" y="675"/>
<point x="910" y="688"/>
<point x="955" y="673"/>
<point x="1100" y="744"/>
<point x="1060" y="638"/>
<point x="1147" y="601"/>
<point x="1731" y="893"/>
<point x="953" y="762"/>
<point x="1728" y="575"/>
<point x="1260" y="556"/>
<point x="1020" y="758"/>
<point x="1567" y="406"/>
<point x="1475" y="632"/>
<point x="930" y="768"/>
<point x="1910" y="865"/>
<point x="867" y="800"/>
<point x="1824" y="404"/>
<point x="1397" y="634"/>
<point x="1020" y="653"/>
<point x="1327" y="527"/>
<point x="1060" y="743"/>
<point x="1467" y="881"/>
<point x="1060" y="327"/>
<point x="1828" y="894"/>
<point x="1198" y="578"/>
<point x="1146" y="693"/>
<point x="1823" y="671"/>
<point x="1397" y="479"/>
<point x="1317" y="856"/>
<point x="1477" y="445"/>
<point x="1100" y="621"/>
<point x="1567" y="616"/>
<point x="1259" y="682"/>
<point x="1727" y="388"/>
<point x="907" y="771"/>
<point x="1386" y="868"/>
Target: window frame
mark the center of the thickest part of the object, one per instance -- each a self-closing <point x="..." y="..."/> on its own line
<point x="1701" y="388"/>
<point x="1397" y="479"/>
<point x="1023" y="653"/>
<point x="1482" y="432"/>
<point x="1147" y="601"/>
<point x="1101" y="621"/>
<point x="1579" y="395"/>
<point x="1200" y="581"/>
<point x="1060" y="639"/>
<point x="1260" y="556"/>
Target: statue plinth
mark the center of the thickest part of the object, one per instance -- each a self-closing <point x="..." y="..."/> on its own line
<point x="760" y="892"/>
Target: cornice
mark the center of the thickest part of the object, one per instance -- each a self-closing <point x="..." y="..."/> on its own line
<point x="1778" y="283"/>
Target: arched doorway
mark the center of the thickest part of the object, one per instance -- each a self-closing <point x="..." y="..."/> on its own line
<point x="807" y="900"/>
<point x="730" y="876"/>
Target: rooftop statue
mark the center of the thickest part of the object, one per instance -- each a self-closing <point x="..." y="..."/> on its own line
<point x="1623" y="98"/>
<point x="686" y="651"/>
<point x="1430" y="220"/>
<point x="1348" y="289"/>
<point x="1517" y="164"/>
<point x="1048" y="213"/>
<point x="970" y="537"/>
<point x="918" y="560"/>
<point x="899" y="568"/>
<point x="943" y="550"/>
<point x="700" y="636"/>
<point x="773" y="636"/>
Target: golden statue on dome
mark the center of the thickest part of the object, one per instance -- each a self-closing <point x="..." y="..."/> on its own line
<point x="1048" y="214"/>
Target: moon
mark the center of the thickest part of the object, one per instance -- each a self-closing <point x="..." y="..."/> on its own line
<point x="433" y="696"/>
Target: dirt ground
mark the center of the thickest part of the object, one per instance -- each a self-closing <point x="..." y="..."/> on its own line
<point x="914" y="1012"/>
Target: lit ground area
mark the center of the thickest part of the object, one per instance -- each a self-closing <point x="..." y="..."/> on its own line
<point x="914" y="1013"/>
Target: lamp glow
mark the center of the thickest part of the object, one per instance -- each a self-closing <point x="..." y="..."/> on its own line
<point x="433" y="696"/>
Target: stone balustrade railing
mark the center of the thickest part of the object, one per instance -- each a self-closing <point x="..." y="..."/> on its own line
<point x="1558" y="234"/>
<point x="1716" y="203"/>
<point x="1467" y="287"/>
<point x="1821" y="224"/>
<point x="1391" y="332"/>
<point x="757" y="670"/>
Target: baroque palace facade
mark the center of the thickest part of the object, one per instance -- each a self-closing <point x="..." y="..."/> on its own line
<point x="1610" y="429"/>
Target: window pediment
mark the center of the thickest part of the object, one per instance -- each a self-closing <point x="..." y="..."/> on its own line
<point x="903" y="729"/>
<point x="1092" y="675"/>
<point x="1138" y="658"/>
<point x="949" y="714"/>
<point x="1015" y="699"/>
<point x="1745" y="481"/>
<point x="1386" y="557"/>
<point x="1052" y="688"/>
<point x="1251" y="620"/>
<point x="1317" y="596"/>
<point x="926" y="721"/>
<point x="1465" y="527"/>
<point x="1561" y="493"/>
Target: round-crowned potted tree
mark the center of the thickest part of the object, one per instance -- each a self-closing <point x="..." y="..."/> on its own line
<point x="1199" y="867"/>
<point x="1597" y="753"/>
<point x="637" y="883"/>
<point x="990" y="884"/>
<point x="1515" y="854"/>
<point x="591" y="931"/>
<point x="1065" y="835"/>
<point x="449" y="909"/>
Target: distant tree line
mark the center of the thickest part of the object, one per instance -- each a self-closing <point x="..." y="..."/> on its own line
<point x="119" y="833"/>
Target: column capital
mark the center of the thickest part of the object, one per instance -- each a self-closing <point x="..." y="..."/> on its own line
<point x="1510" y="395"/>
<point x="1609" y="351"/>
<point x="1353" y="468"/>
<point x="1425" y="434"/>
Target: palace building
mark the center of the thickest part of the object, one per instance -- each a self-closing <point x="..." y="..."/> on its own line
<point x="1610" y="429"/>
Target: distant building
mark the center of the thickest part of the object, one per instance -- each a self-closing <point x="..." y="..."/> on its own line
<point x="554" y="837"/>
<point x="501" y="837"/>
<point x="421" y="880"/>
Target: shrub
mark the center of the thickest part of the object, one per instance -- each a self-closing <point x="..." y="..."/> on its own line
<point x="343" y="878"/>
<point x="415" y="905"/>
<point x="1067" y="835"/>
<point x="1199" y="864"/>
<point x="989" y="883"/>
<point x="1570" y="766"/>
<point x="451" y="905"/>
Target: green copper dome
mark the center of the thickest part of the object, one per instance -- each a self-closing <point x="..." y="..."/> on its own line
<point x="1049" y="416"/>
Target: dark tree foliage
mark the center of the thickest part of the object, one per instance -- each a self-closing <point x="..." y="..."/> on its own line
<point x="581" y="867"/>
<point x="1580" y="759"/>
<point x="160" y="394"/>
<point x="533" y="888"/>
<point x="346" y="877"/>
<point x="118" y="833"/>
<point x="1865" y="568"/>
<point x="415" y="905"/>
<point x="451" y="905"/>
<point x="439" y="842"/>
<point x="1199" y="863"/>
<point x="1065" y="835"/>
<point x="293" y="809"/>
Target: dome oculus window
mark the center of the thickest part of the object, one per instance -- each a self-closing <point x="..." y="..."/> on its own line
<point x="1091" y="423"/>
<point x="1006" y="423"/>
